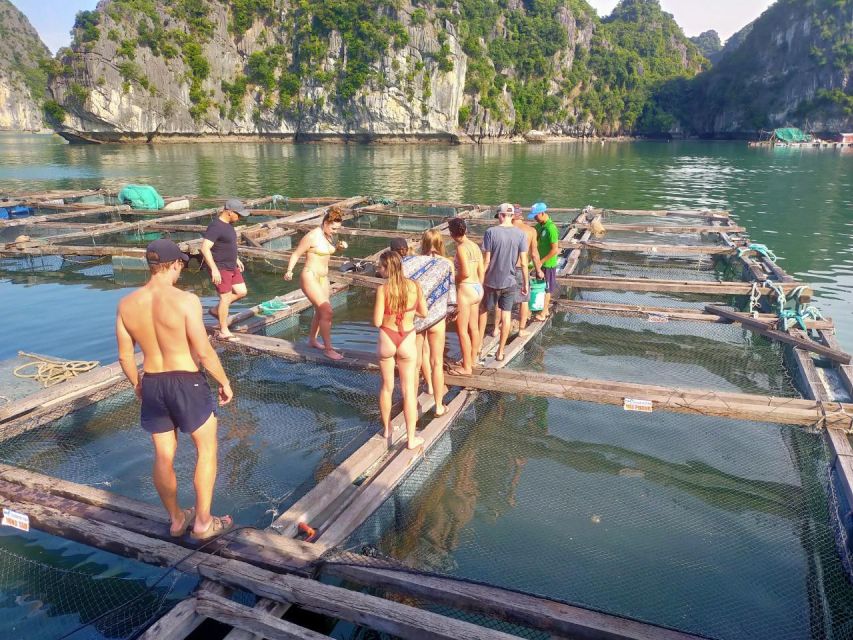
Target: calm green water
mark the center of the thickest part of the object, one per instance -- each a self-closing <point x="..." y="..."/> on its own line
<point x="705" y="488"/>
<point x="799" y="203"/>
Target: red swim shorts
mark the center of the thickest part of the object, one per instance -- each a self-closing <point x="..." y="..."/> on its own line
<point x="230" y="277"/>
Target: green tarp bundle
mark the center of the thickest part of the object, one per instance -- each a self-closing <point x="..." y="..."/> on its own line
<point x="791" y="134"/>
<point x="141" y="196"/>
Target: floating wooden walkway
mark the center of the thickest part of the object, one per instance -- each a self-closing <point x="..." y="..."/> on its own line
<point x="278" y="566"/>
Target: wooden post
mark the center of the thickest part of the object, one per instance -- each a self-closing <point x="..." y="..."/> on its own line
<point x="761" y="328"/>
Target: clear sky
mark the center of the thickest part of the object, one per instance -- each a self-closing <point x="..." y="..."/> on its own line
<point x="53" y="18"/>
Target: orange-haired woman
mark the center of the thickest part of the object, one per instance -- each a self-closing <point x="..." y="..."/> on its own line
<point x="398" y="300"/>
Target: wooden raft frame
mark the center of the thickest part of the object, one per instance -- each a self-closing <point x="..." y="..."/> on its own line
<point x="819" y="413"/>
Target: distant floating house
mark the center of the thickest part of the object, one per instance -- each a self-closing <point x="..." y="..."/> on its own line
<point x="794" y="137"/>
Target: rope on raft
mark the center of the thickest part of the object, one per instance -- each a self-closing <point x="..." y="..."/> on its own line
<point x="51" y="371"/>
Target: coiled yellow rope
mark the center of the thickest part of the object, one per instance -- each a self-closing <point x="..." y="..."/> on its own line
<point x="51" y="371"/>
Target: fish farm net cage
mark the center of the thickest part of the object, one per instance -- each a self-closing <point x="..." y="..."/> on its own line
<point x="699" y="355"/>
<point x="278" y="438"/>
<point x="716" y="527"/>
<point x="52" y="589"/>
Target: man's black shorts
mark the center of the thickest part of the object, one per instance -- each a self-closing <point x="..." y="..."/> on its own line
<point x="175" y="400"/>
<point x="504" y="299"/>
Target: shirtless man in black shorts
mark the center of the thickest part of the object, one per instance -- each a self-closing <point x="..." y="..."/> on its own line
<point x="167" y="325"/>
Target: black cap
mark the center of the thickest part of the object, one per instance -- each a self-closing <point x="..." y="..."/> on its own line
<point x="236" y="205"/>
<point x="399" y="244"/>
<point x="163" y="251"/>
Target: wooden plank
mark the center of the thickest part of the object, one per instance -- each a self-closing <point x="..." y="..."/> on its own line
<point x="659" y="213"/>
<point x="517" y="608"/>
<point x="70" y="215"/>
<point x="659" y="249"/>
<point x="666" y="228"/>
<point x="761" y="328"/>
<point x="261" y="548"/>
<point x="264" y="605"/>
<point x="837" y="440"/>
<point x="358" y="279"/>
<point x="255" y="622"/>
<point x="845" y="371"/>
<point x="574" y="256"/>
<point x="376" y="613"/>
<point x="13" y="251"/>
<point x="696" y="401"/>
<point x="377" y="491"/>
<point x="300" y="352"/>
<point x="669" y="286"/>
<point x="755" y="270"/>
<point x="670" y="313"/>
<point x="362" y="609"/>
<point x="263" y="229"/>
<point x="140" y="224"/>
<point x="177" y="624"/>
<point x="252" y="320"/>
<point x="307" y="508"/>
<point x="180" y="228"/>
<point x="843" y="466"/>
<point x="83" y="493"/>
<point x="55" y="194"/>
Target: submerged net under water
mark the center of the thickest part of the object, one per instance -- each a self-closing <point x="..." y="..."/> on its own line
<point x="51" y="588"/>
<point x="718" y="527"/>
<point x="702" y="355"/>
<point x="288" y="426"/>
<point x="711" y="526"/>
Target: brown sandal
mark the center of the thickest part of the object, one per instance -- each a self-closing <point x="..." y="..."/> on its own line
<point x="217" y="527"/>
<point x="189" y="519"/>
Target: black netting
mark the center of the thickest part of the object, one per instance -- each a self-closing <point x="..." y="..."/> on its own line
<point x="51" y="588"/>
<point x="619" y="264"/>
<point x="712" y="526"/>
<point x="703" y="355"/>
<point x="281" y="435"/>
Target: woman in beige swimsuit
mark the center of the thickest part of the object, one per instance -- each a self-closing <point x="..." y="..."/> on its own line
<point x="318" y="245"/>
<point x="431" y="341"/>
<point x="469" y="291"/>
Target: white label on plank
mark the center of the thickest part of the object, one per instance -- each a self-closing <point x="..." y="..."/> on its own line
<point x="658" y="317"/>
<point x="630" y="404"/>
<point x="16" y="520"/>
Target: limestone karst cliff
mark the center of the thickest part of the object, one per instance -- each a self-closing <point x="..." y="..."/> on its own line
<point x="471" y="69"/>
<point x="793" y="65"/>
<point x="23" y="79"/>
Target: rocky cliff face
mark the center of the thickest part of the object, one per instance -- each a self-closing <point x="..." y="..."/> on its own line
<point x="472" y="69"/>
<point x="23" y="81"/>
<point x="709" y="45"/>
<point x="792" y="66"/>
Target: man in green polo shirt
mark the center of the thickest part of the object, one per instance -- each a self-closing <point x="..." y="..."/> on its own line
<point x="548" y="243"/>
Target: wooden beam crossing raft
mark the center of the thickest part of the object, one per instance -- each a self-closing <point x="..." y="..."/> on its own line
<point x="278" y="566"/>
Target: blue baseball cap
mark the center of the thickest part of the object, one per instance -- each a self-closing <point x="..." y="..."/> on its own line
<point x="536" y="209"/>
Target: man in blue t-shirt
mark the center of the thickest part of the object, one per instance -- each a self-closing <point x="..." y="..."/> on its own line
<point x="504" y="247"/>
<point x="219" y="248"/>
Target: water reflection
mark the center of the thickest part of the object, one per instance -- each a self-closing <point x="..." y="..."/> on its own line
<point x="706" y="525"/>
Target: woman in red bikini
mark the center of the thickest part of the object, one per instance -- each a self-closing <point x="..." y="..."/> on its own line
<point x="397" y="303"/>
